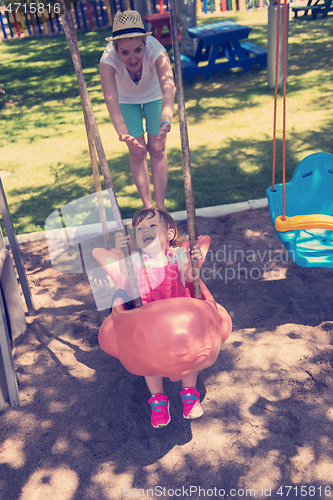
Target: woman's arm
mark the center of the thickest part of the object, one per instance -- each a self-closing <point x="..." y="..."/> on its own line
<point x="110" y="91"/>
<point x="165" y="76"/>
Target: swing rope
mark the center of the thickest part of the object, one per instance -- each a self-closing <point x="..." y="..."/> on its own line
<point x="275" y="93"/>
<point x="189" y="198"/>
<point x="284" y="110"/>
<point x="284" y="102"/>
<point x="95" y="144"/>
<point x="307" y="244"/>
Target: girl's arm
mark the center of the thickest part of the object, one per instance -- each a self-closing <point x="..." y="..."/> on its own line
<point x="121" y="242"/>
<point x="165" y="76"/>
<point x="110" y="91"/>
<point x="185" y="266"/>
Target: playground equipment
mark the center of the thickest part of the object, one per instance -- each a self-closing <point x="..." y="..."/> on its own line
<point x="305" y="224"/>
<point x="318" y="7"/>
<point x="37" y="19"/>
<point x="302" y="210"/>
<point x="190" y="331"/>
<point x="25" y="19"/>
<point x="175" y="352"/>
<point x="12" y="317"/>
<point x="272" y="34"/>
<point x="12" y="322"/>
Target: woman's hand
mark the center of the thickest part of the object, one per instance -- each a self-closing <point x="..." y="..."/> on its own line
<point x="164" y="129"/>
<point x="130" y="140"/>
<point x="167" y="84"/>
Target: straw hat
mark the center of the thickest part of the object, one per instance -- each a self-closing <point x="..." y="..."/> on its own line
<point x="127" y="24"/>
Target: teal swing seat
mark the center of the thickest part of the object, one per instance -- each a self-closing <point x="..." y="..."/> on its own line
<point x="307" y="230"/>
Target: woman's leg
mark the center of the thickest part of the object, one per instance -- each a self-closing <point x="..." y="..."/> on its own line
<point x="139" y="169"/>
<point x="159" y="168"/>
<point x="156" y="148"/>
<point x="132" y="114"/>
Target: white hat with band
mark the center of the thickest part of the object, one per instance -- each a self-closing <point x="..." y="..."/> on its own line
<point x="127" y="24"/>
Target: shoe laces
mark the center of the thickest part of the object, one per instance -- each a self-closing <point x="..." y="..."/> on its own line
<point x="157" y="404"/>
<point x="190" y="396"/>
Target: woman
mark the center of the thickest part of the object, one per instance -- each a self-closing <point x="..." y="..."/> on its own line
<point x="136" y="76"/>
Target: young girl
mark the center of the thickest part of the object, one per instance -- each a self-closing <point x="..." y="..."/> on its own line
<point x="162" y="268"/>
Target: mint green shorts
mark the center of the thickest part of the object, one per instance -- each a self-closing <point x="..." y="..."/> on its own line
<point x="133" y="115"/>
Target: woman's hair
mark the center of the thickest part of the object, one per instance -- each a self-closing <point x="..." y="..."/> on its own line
<point x="143" y="38"/>
<point x="165" y="217"/>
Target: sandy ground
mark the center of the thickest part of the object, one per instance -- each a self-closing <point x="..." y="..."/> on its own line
<point x="83" y="429"/>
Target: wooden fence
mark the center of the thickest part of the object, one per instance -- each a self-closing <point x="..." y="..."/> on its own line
<point x="27" y="18"/>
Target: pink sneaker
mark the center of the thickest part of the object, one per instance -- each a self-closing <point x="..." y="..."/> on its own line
<point x="191" y="403"/>
<point x="160" y="415"/>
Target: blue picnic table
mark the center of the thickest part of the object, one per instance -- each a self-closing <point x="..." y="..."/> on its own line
<point x="218" y="41"/>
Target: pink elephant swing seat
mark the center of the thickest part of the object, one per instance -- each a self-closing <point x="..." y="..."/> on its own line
<point x="167" y="338"/>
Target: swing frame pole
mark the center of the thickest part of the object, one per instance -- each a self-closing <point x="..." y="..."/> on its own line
<point x="189" y="197"/>
<point x="97" y="182"/>
<point x="95" y="139"/>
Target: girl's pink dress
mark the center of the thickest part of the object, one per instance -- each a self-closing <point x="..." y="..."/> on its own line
<point x="156" y="283"/>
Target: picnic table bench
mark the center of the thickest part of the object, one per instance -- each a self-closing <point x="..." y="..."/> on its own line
<point x="222" y="40"/>
<point x="160" y="26"/>
<point x="317" y="7"/>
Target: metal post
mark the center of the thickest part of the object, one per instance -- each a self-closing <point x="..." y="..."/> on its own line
<point x="7" y="359"/>
<point x="16" y="250"/>
<point x="272" y="39"/>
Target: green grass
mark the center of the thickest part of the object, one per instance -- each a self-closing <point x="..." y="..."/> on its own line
<point x="230" y="121"/>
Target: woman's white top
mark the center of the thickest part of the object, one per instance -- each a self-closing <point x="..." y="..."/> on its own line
<point x="148" y="89"/>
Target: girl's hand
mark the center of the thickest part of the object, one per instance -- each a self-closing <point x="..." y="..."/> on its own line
<point x="121" y="241"/>
<point x="130" y="140"/>
<point x="196" y="253"/>
<point x="164" y="129"/>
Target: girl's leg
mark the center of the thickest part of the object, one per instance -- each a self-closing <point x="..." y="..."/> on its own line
<point x="155" y="385"/>
<point x="159" y="168"/>
<point x="190" y="380"/>
<point x="139" y="169"/>
<point x="159" y="403"/>
<point x="191" y="397"/>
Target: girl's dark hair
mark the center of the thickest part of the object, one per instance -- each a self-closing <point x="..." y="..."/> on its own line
<point x="149" y="213"/>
